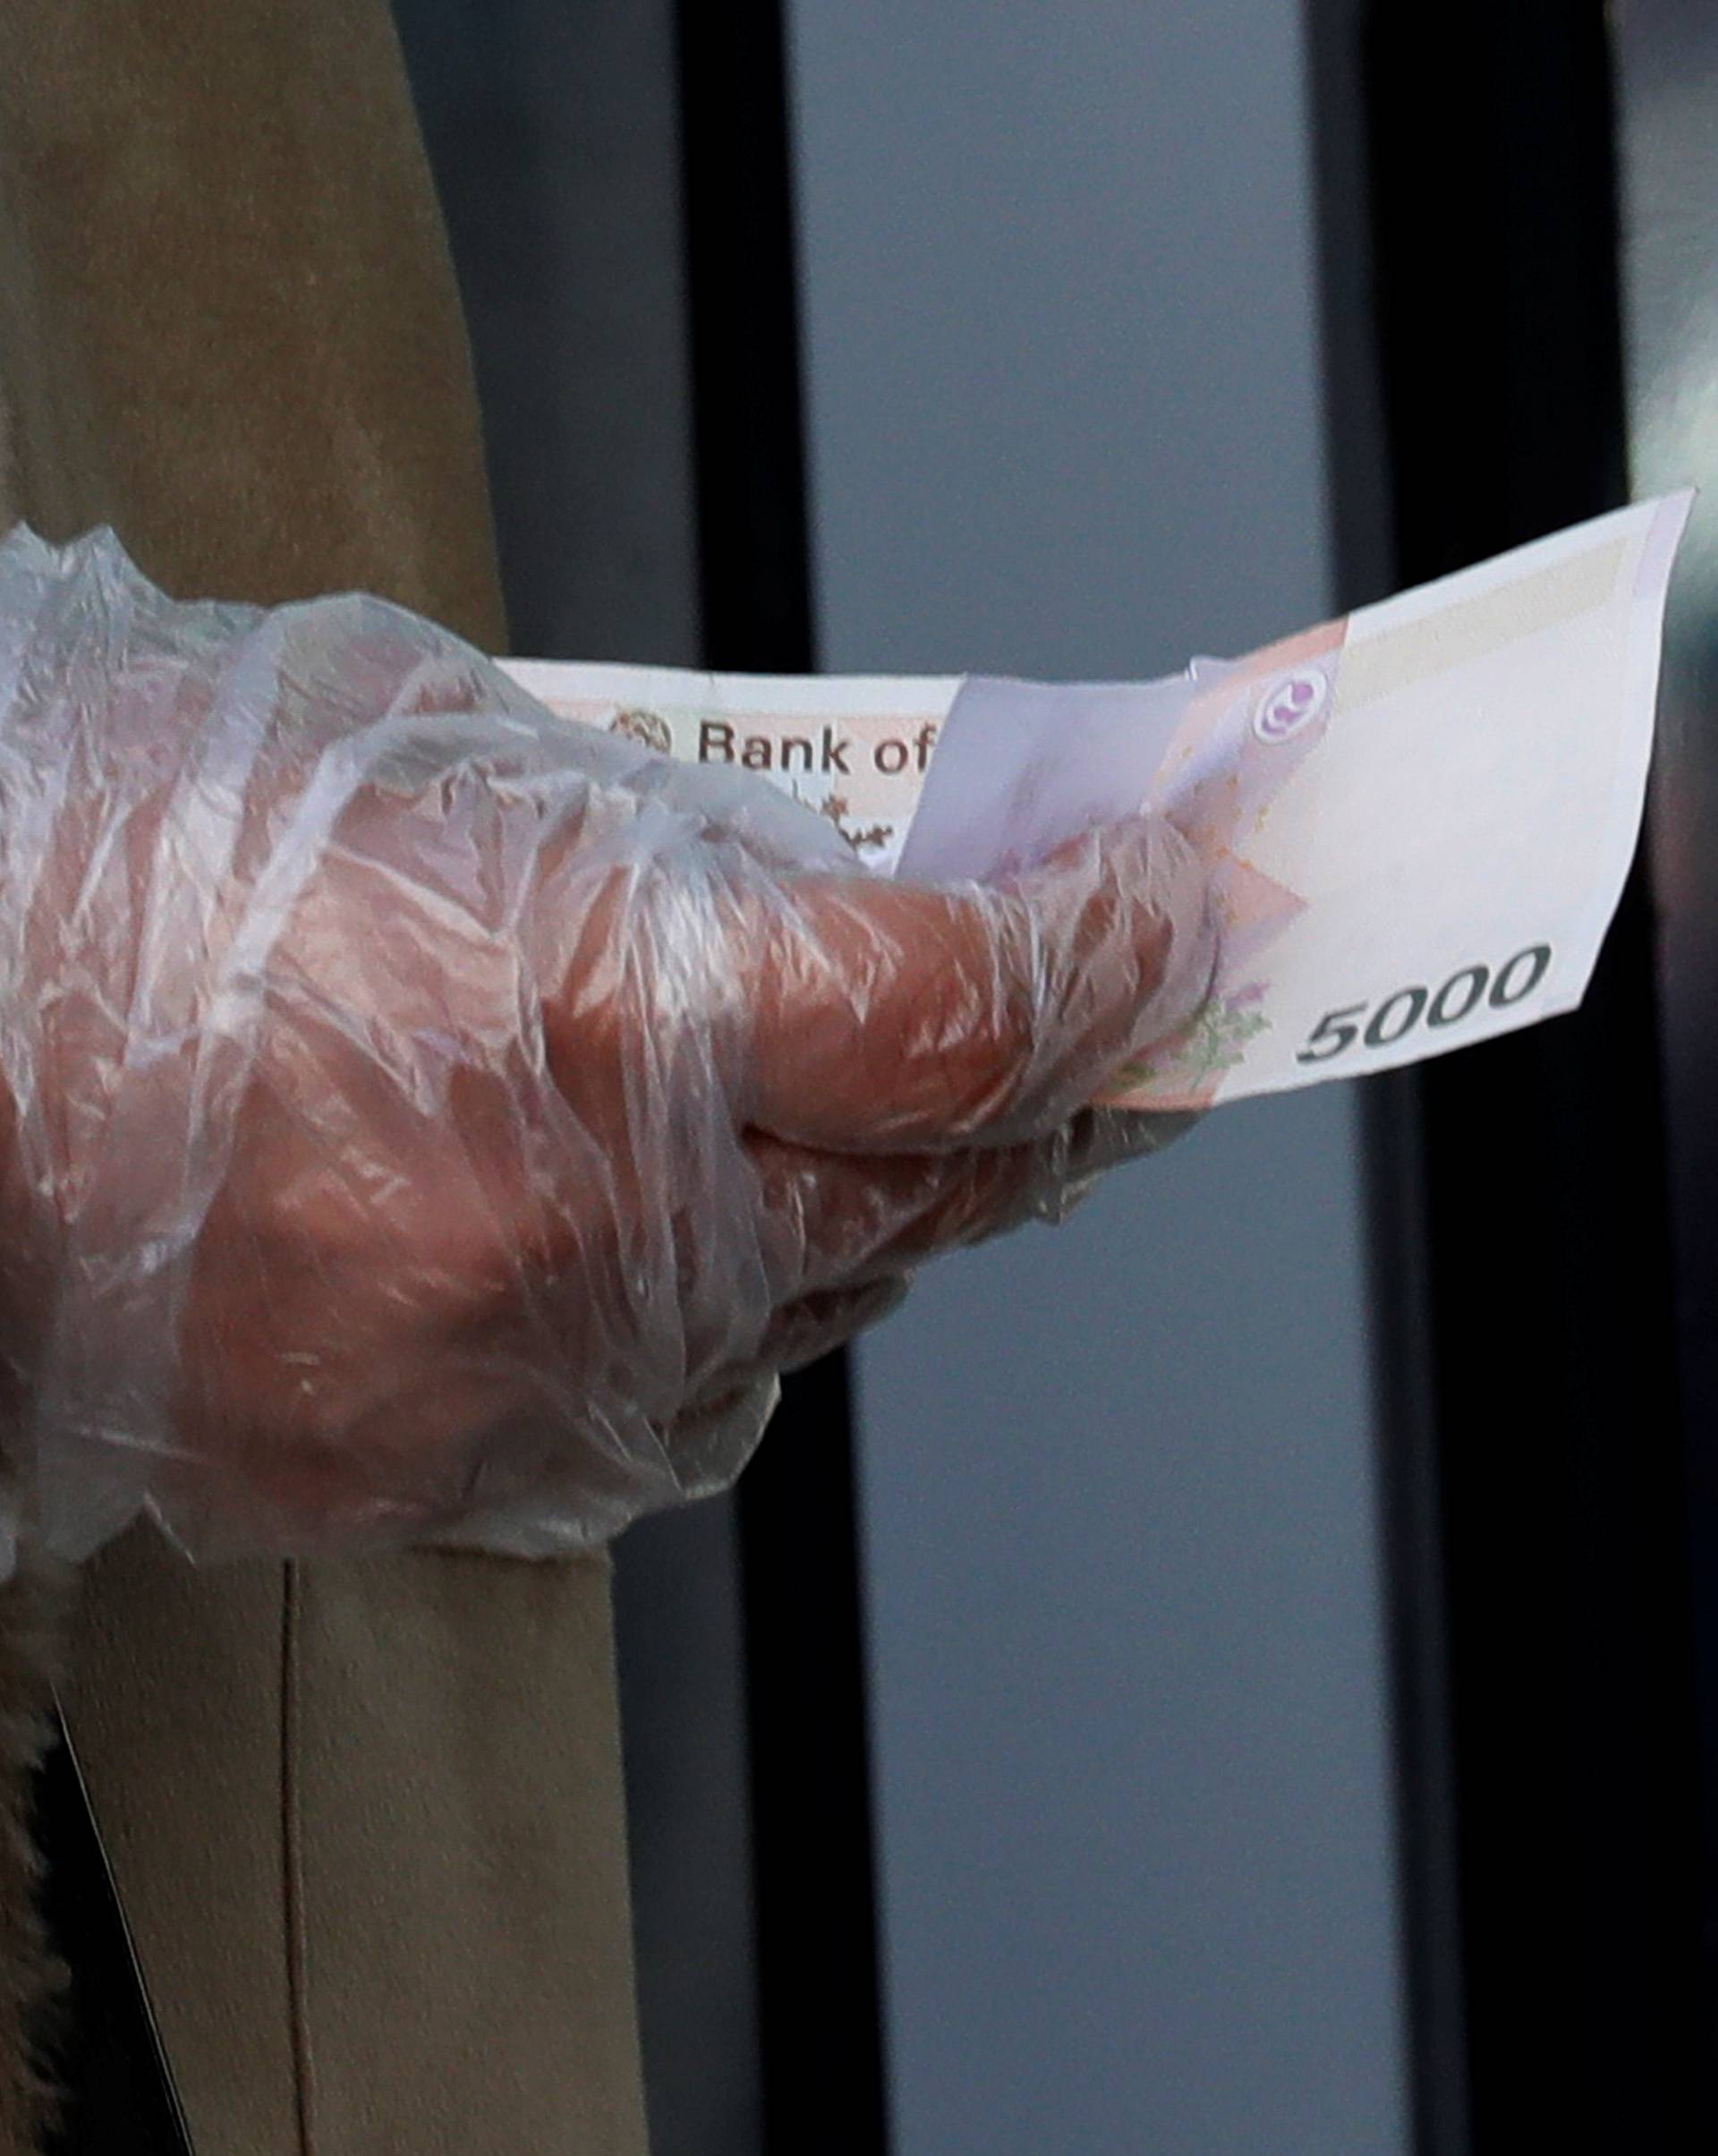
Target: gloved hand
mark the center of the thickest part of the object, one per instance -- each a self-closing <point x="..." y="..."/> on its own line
<point x="425" y="1119"/>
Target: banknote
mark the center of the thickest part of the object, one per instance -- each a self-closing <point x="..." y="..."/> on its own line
<point x="1416" y="819"/>
<point x="855" y="749"/>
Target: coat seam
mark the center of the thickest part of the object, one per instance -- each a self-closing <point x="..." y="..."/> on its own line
<point x="292" y="1852"/>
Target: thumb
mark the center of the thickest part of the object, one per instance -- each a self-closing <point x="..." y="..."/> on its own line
<point x="891" y="1016"/>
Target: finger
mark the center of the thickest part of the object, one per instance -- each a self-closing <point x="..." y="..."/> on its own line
<point x="801" y="1333"/>
<point x="893" y="1016"/>
<point x="714" y="1436"/>
<point x="805" y="1331"/>
<point x="834" y="1219"/>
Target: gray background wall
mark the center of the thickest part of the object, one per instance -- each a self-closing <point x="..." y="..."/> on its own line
<point x="1131" y="1759"/>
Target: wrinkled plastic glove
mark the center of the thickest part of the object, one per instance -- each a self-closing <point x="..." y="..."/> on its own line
<point x="428" y="1121"/>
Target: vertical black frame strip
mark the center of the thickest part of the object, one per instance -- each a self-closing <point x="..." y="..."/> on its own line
<point x="818" y="1966"/>
<point x="1561" y="1498"/>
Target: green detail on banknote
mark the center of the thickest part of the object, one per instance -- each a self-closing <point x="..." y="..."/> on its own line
<point x="1214" y="1043"/>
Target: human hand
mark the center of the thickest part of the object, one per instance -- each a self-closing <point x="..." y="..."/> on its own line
<point x="430" y="1121"/>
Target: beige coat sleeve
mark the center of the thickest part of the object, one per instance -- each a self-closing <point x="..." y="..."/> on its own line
<point x="366" y="1821"/>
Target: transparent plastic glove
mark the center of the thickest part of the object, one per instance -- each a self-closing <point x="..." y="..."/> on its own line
<point x="429" y="1121"/>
